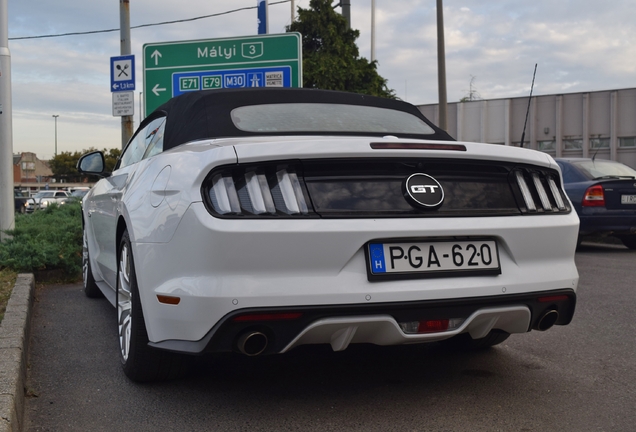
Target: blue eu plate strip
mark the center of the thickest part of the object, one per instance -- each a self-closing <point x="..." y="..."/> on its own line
<point x="376" y="258"/>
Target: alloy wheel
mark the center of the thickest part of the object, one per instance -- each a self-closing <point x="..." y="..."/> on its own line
<point x="124" y="301"/>
<point x="85" y="259"/>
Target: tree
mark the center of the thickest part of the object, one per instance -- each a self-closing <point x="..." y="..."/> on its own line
<point x="64" y="165"/>
<point x="331" y="59"/>
<point x="473" y="94"/>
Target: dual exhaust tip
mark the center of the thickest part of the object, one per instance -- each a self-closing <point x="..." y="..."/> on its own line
<point x="547" y="320"/>
<point x="252" y="343"/>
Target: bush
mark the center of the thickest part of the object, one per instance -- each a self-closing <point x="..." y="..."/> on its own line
<point x="49" y="239"/>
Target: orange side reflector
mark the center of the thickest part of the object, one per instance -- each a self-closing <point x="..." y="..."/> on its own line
<point x="168" y="299"/>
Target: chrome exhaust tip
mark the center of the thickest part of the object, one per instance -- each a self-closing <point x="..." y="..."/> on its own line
<point x="547" y="320"/>
<point x="252" y="343"/>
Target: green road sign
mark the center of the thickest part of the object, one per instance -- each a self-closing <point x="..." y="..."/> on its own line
<point x="174" y="68"/>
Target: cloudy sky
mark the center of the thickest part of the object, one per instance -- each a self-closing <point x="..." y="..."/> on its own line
<point x="579" y="45"/>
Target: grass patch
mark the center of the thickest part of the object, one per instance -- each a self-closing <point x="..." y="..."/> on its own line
<point x="46" y="241"/>
<point x="7" y="281"/>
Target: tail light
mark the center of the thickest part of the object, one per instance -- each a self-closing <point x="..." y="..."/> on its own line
<point x="274" y="190"/>
<point x="594" y="197"/>
<point x="540" y="192"/>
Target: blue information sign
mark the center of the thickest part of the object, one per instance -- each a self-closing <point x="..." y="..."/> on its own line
<point x="122" y="73"/>
<point x="274" y="76"/>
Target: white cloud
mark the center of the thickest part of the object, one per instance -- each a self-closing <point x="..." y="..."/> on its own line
<point x="578" y="45"/>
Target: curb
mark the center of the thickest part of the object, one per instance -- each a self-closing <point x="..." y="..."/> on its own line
<point x="15" y="330"/>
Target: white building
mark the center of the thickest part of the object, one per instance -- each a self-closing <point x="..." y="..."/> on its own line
<point x="563" y="125"/>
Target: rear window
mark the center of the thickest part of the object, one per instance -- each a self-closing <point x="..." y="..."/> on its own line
<point x="317" y="117"/>
<point x="600" y="169"/>
<point x="44" y="194"/>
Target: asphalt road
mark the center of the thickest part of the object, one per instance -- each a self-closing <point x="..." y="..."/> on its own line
<point x="580" y="377"/>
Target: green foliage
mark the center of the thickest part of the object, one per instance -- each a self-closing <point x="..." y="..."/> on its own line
<point x="331" y="59"/>
<point x="45" y="240"/>
<point x="7" y="281"/>
<point x="64" y="164"/>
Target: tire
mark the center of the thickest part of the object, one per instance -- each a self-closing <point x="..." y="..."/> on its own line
<point x="91" y="290"/>
<point x="140" y="362"/>
<point x="466" y="343"/>
<point x="629" y="241"/>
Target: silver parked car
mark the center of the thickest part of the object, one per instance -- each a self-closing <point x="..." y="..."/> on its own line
<point x="43" y="199"/>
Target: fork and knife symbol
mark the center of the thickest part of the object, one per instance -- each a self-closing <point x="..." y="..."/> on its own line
<point x="122" y="70"/>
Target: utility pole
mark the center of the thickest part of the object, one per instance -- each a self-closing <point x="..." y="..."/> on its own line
<point x="441" y="67"/>
<point x="372" y="30"/>
<point x="293" y="11"/>
<point x="127" y="122"/>
<point x="346" y="11"/>
<point x="55" y="116"/>
<point x="7" y="211"/>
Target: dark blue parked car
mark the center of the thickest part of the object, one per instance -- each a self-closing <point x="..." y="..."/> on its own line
<point x="603" y="193"/>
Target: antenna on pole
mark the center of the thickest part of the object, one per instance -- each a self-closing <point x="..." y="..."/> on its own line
<point x="523" y="134"/>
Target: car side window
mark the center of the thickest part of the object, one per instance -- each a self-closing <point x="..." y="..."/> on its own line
<point x="136" y="149"/>
<point x="156" y="144"/>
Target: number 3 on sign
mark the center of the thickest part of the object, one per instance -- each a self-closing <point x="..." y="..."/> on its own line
<point x="252" y="49"/>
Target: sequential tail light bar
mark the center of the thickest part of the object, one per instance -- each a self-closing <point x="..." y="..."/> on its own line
<point x="274" y="190"/>
<point x="540" y="192"/>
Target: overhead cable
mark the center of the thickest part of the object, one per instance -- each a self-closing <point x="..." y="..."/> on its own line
<point x="142" y="25"/>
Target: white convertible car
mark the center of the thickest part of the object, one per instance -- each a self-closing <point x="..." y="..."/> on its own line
<point x="258" y="220"/>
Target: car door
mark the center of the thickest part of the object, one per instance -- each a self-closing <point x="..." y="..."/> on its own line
<point x="105" y="207"/>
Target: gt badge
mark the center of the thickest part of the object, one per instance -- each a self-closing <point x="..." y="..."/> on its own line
<point x="423" y="191"/>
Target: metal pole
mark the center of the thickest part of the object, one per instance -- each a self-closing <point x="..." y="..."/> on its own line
<point x="372" y="30"/>
<point x="55" y="116"/>
<point x="127" y="122"/>
<point x="346" y="11"/>
<point x="293" y="10"/>
<point x="7" y="215"/>
<point x="441" y="67"/>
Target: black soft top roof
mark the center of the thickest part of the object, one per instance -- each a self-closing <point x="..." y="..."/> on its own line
<point x="206" y="114"/>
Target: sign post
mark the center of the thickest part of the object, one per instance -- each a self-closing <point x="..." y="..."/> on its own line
<point x="174" y="68"/>
<point x="122" y="85"/>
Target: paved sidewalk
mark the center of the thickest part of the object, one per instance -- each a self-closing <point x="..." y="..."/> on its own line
<point x="15" y="331"/>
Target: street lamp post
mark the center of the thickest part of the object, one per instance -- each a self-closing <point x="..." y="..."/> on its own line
<point x="441" y="67"/>
<point x="55" y="116"/>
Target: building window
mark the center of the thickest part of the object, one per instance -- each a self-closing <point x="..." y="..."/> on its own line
<point x="599" y="143"/>
<point x="546" y="145"/>
<point x="627" y="142"/>
<point x="572" y="144"/>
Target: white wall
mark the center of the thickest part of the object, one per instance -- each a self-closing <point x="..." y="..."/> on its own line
<point x="567" y="125"/>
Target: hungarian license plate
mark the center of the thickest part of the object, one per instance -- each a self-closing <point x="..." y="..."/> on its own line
<point x="628" y="199"/>
<point x="432" y="259"/>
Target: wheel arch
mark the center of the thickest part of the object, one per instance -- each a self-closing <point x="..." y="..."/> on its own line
<point x="119" y="233"/>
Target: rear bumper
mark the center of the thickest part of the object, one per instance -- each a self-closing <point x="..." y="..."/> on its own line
<point x="219" y="267"/>
<point x="610" y="222"/>
<point x="379" y="323"/>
